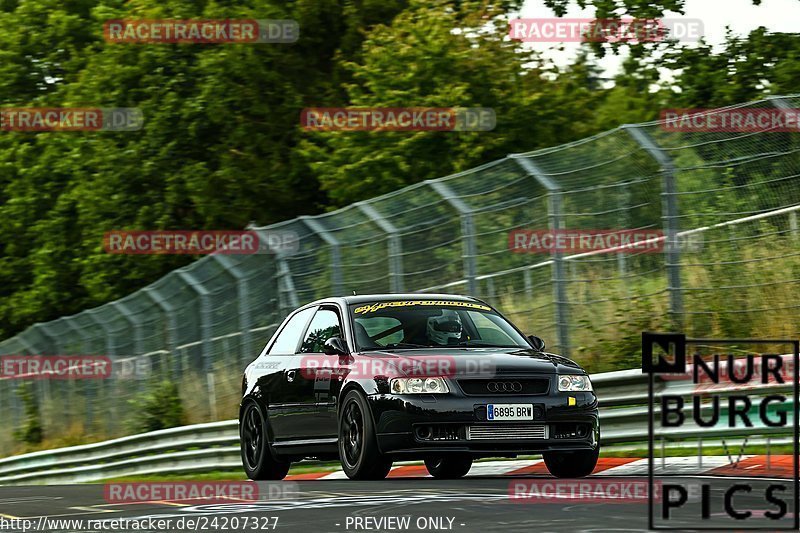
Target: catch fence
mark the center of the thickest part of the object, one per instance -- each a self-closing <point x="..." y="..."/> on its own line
<point x="725" y="202"/>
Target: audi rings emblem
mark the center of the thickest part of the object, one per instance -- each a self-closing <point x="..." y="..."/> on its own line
<point x="504" y="386"/>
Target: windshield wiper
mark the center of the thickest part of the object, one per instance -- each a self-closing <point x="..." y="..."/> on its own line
<point x="406" y="345"/>
<point x="482" y="344"/>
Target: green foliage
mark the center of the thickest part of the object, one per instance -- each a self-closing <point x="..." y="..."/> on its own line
<point x="215" y="152"/>
<point x="160" y="408"/>
<point x="222" y="146"/>
<point x="435" y="56"/>
<point x="31" y="432"/>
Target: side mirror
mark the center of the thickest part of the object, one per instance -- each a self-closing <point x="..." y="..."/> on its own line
<point x="537" y="342"/>
<point x="335" y="346"/>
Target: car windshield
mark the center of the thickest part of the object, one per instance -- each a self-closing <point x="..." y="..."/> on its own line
<point x="413" y="324"/>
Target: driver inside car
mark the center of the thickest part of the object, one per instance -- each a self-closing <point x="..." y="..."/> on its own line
<point x="445" y="329"/>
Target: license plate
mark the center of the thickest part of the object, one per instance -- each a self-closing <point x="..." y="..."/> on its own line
<point x="509" y="411"/>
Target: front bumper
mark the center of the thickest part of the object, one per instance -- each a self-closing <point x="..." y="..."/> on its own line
<point x="457" y="423"/>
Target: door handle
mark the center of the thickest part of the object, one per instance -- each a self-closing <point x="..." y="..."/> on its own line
<point x="290" y="376"/>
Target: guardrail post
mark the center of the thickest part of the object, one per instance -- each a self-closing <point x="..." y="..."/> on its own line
<point x="556" y="223"/>
<point x="243" y="302"/>
<point x="669" y="206"/>
<point x="395" y="245"/>
<point x="205" y="315"/>
<point x="469" y="252"/>
<point x="333" y="244"/>
<point x="168" y="308"/>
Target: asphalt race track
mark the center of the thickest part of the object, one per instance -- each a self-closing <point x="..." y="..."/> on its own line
<point x="479" y="504"/>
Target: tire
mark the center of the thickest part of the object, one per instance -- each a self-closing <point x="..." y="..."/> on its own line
<point x="358" y="445"/>
<point x="571" y="464"/>
<point x="257" y="459"/>
<point x="449" y="466"/>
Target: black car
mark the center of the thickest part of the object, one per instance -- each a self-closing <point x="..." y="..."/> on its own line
<point x="445" y="379"/>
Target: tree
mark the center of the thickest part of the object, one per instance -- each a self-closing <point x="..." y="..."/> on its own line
<point x="436" y="56"/>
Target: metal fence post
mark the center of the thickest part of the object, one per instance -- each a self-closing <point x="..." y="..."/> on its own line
<point x="556" y="222"/>
<point x="42" y="345"/>
<point x="138" y="338"/>
<point x="780" y="103"/>
<point x="287" y="296"/>
<point x="622" y="203"/>
<point x="111" y="348"/>
<point x="27" y="346"/>
<point x="136" y="325"/>
<point x="79" y="333"/>
<point x="243" y="302"/>
<point x="333" y="243"/>
<point x="47" y="384"/>
<point x="205" y="334"/>
<point x="205" y="315"/>
<point x="669" y="206"/>
<point x="470" y="252"/>
<point x="111" y="351"/>
<point x="168" y="308"/>
<point x="86" y="349"/>
<point x="395" y="245"/>
<point x="41" y="329"/>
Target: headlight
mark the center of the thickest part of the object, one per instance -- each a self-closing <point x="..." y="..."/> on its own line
<point x="574" y="383"/>
<point x="418" y="386"/>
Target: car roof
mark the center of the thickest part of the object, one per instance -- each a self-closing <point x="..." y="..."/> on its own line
<point x="364" y="298"/>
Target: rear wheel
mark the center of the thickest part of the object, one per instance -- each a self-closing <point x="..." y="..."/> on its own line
<point x="449" y="466"/>
<point x="571" y="464"/>
<point x="358" y="445"/>
<point x="257" y="459"/>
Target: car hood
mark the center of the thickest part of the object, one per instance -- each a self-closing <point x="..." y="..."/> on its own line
<point x="487" y="362"/>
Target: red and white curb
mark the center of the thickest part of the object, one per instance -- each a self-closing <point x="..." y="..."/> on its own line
<point x="747" y="466"/>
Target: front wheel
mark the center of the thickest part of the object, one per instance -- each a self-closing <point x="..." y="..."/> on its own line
<point x="358" y="445"/>
<point x="571" y="464"/>
<point x="449" y="466"/>
<point x="257" y="459"/>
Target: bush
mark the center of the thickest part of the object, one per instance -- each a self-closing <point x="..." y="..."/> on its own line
<point x="159" y="408"/>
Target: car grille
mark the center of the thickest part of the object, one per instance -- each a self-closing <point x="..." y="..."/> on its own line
<point x="498" y="432"/>
<point x="506" y="386"/>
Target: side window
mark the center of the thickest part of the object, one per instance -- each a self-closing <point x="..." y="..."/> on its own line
<point x="289" y="337"/>
<point x="324" y="326"/>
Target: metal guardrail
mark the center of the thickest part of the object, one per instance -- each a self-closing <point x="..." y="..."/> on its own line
<point x="215" y="446"/>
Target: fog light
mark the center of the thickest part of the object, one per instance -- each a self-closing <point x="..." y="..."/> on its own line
<point x="423" y="432"/>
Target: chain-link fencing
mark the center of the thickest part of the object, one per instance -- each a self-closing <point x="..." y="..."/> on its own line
<point x="725" y="262"/>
